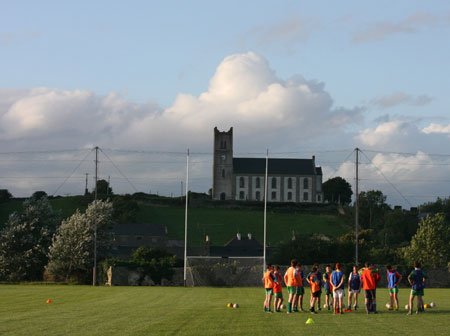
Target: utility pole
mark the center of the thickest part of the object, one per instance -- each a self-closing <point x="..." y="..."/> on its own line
<point x="186" y="218"/>
<point x="265" y="208"/>
<point x="94" y="271"/>
<point x="356" y="206"/>
<point x="86" y="187"/>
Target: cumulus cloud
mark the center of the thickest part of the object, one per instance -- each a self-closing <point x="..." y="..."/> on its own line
<point x="412" y="24"/>
<point x="401" y="98"/>
<point x="437" y="128"/>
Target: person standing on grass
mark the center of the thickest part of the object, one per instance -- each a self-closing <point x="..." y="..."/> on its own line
<point x="268" y="280"/>
<point x="417" y="279"/>
<point x="300" y="288"/>
<point x="291" y="283"/>
<point x="370" y="279"/>
<point x="337" y="279"/>
<point x="277" y="290"/>
<point x="314" y="284"/>
<point x="354" y="287"/>
<point x="393" y="279"/>
<point x="319" y="277"/>
<point x="327" y="286"/>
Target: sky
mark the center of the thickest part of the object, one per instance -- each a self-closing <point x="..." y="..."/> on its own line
<point x="146" y="80"/>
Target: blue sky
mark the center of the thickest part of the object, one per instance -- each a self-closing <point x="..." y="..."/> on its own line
<point x="321" y="75"/>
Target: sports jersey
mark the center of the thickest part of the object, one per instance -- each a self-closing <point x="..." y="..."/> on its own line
<point x="289" y="277"/>
<point x="299" y="278"/>
<point x="370" y="279"/>
<point x="392" y="278"/>
<point x="355" y="281"/>
<point x="314" y="282"/>
<point x="268" y="280"/>
<point x="417" y="277"/>
<point x="327" y="285"/>
<point x="277" y="283"/>
<point x="336" y="277"/>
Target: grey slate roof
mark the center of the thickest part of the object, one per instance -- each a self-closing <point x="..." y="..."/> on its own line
<point x="276" y="166"/>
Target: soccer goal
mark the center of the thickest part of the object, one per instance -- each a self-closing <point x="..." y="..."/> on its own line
<point x="223" y="271"/>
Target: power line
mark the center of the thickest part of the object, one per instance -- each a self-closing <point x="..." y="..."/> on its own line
<point x="120" y="172"/>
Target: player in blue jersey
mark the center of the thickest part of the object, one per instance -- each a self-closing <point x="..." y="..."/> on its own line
<point x="417" y="279"/>
<point x="337" y="280"/>
<point x="393" y="279"/>
<point x="354" y="287"/>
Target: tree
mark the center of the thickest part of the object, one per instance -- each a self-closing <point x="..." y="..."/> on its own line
<point x="372" y="208"/>
<point x="103" y="188"/>
<point x="25" y="241"/>
<point x="72" y="249"/>
<point x="39" y="194"/>
<point x="337" y="190"/>
<point x="431" y="243"/>
<point x="4" y="195"/>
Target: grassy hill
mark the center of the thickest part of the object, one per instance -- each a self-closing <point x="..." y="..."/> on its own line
<point x="221" y="224"/>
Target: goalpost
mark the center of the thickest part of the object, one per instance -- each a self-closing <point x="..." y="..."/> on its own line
<point x="223" y="270"/>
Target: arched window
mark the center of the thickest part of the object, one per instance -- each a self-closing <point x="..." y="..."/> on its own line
<point x="241" y="195"/>
<point x="274" y="182"/>
<point x="305" y="196"/>
<point x="241" y="182"/>
<point x="258" y="196"/>
<point x="222" y="196"/>
<point x="274" y="195"/>
<point x="305" y="184"/>
<point x="289" y="183"/>
<point x="289" y="196"/>
<point x="258" y="182"/>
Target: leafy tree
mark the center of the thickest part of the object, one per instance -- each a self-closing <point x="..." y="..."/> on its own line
<point x="4" y="195"/>
<point x="337" y="190"/>
<point x="72" y="249"/>
<point x="39" y="194"/>
<point x="125" y="209"/>
<point x="25" y="241"/>
<point x="103" y="188"/>
<point x="372" y="208"/>
<point x="431" y="243"/>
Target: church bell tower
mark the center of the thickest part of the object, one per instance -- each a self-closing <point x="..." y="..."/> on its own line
<point x="223" y="165"/>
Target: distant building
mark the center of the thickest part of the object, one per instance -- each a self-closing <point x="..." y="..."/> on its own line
<point x="289" y="180"/>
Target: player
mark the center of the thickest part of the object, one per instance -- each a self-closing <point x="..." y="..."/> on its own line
<point x="291" y="283"/>
<point x="319" y="277"/>
<point x="327" y="286"/>
<point x="314" y="284"/>
<point x="417" y="279"/>
<point x="300" y="289"/>
<point x="393" y="279"/>
<point x="370" y="278"/>
<point x="268" y="280"/>
<point x="277" y="290"/>
<point x="354" y="287"/>
<point x="337" y="279"/>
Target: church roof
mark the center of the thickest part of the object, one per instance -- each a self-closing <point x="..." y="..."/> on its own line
<point x="276" y="166"/>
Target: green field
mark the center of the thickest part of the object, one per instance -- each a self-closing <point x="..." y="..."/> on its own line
<point x="220" y="224"/>
<point x="84" y="310"/>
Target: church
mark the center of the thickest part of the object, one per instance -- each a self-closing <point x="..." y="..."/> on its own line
<point x="289" y="180"/>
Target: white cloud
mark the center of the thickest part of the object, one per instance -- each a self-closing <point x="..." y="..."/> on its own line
<point x="437" y="128"/>
<point x="401" y="98"/>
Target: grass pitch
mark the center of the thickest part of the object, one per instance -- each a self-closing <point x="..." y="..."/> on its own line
<point x="85" y="310"/>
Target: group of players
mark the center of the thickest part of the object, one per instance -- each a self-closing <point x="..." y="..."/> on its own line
<point x="332" y="282"/>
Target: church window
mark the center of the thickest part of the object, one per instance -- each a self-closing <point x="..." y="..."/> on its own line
<point x="241" y="195"/>
<point x="289" y="183"/>
<point x="222" y="196"/>
<point x="305" y="183"/>
<point x="289" y="196"/>
<point x="258" y="182"/>
<point x="241" y="182"/>
<point x="223" y="144"/>
<point x="274" y="195"/>
<point x="318" y="198"/>
<point x="258" y="196"/>
<point x="305" y="196"/>
<point x="274" y="182"/>
<point x="223" y="173"/>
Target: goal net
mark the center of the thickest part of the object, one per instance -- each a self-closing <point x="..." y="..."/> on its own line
<point x="224" y="271"/>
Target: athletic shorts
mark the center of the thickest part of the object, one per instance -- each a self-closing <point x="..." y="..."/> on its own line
<point x="354" y="291"/>
<point x="278" y="295"/>
<point x="418" y="292"/>
<point x="328" y="292"/>
<point x="370" y="293"/>
<point x="269" y="290"/>
<point x="338" y="293"/>
<point x="300" y="291"/>
<point x="316" y="294"/>
<point x="292" y="290"/>
<point x="393" y="290"/>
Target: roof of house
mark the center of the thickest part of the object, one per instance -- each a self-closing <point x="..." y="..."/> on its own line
<point x="139" y="230"/>
<point x="276" y="166"/>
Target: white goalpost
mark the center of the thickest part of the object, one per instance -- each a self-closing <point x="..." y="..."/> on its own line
<point x="223" y="270"/>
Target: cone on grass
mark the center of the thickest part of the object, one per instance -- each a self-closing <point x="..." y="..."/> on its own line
<point x="49" y="301"/>
<point x="309" y="321"/>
